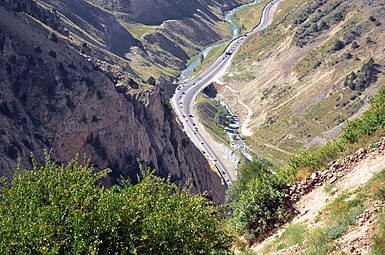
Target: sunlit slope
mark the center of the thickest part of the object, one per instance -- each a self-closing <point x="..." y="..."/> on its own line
<point x="308" y="73"/>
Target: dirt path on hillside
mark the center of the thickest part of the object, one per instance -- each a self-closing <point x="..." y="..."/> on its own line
<point x="245" y="130"/>
<point x="312" y="203"/>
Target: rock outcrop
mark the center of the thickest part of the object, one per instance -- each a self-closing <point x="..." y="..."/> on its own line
<point x="336" y="170"/>
<point x="52" y="97"/>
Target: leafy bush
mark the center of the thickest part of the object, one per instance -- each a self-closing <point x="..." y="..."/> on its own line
<point x="64" y="210"/>
<point x="257" y="201"/>
<point x="338" y="45"/>
<point x="151" y="81"/>
<point x="220" y="114"/>
<point x="355" y="45"/>
<point x="53" y="37"/>
<point x="52" y="54"/>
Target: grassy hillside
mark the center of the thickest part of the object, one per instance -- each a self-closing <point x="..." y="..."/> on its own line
<point x="308" y="73"/>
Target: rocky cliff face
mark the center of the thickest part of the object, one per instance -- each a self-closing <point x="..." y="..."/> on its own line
<point x="52" y="97"/>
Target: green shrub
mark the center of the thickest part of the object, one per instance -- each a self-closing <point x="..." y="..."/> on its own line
<point x="64" y="210"/>
<point x="257" y="200"/>
<point x="53" y="37"/>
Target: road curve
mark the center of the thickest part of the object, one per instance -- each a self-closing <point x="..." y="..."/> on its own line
<point x="184" y="98"/>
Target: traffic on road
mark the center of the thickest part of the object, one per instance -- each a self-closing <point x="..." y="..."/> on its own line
<point x="186" y="93"/>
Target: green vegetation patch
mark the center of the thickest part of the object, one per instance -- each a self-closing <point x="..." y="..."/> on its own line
<point x="257" y="200"/>
<point x="378" y="244"/>
<point x="138" y="30"/>
<point x="63" y="209"/>
<point x="248" y="17"/>
<point x="213" y="116"/>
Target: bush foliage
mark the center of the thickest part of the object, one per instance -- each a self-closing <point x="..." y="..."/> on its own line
<point x="257" y="201"/>
<point x="64" y="210"/>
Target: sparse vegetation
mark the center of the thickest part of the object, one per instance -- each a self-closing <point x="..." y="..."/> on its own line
<point x="333" y="221"/>
<point x="378" y="244"/>
<point x="259" y="203"/>
<point x="371" y="122"/>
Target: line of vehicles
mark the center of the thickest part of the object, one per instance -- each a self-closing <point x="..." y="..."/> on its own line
<point x="205" y="77"/>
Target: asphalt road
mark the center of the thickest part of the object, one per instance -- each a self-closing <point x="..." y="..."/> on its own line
<point x="185" y="95"/>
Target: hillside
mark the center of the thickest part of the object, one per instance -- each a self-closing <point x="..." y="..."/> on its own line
<point x="55" y="97"/>
<point x="307" y="74"/>
<point x="338" y="210"/>
<point x="154" y="42"/>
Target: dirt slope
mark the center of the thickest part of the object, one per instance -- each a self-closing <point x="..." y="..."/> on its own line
<point x="353" y="172"/>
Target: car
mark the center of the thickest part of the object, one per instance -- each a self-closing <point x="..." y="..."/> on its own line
<point x="184" y="116"/>
<point x="181" y="106"/>
<point x="193" y="83"/>
<point x="195" y="132"/>
<point x="191" y="116"/>
<point x="184" y="93"/>
<point x="194" y="124"/>
<point x="215" y="159"/>
<point x="180" y="96"/>
<point x="202" y="143"/>
<point x="180" y="102"/>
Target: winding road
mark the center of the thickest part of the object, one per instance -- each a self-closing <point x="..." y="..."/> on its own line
<point x="184" y="98"/>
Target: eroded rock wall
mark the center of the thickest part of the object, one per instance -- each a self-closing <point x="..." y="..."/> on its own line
<point x="52" y="97"/>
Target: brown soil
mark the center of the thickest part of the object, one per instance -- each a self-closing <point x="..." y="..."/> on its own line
<point x="353" y="172"/>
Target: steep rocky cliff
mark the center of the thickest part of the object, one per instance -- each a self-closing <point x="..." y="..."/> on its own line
<point x="52" y="97"/>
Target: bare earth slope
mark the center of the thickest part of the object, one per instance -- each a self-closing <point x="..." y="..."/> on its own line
<point x="348" y="175"/>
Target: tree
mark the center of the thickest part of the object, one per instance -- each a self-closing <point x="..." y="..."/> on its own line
<point x="355" y="45"/>
<point x="151" y="80"/>
<point x="64" y="210"/>
<point x="338" y="45"/>
<point x="323" y="25"/>
<point x="53" y="37"/>
<point x="314" y="28"/>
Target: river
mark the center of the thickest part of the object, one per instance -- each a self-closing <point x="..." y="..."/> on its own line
<point x="188" y="73"/>
<point x="234" y="140"/>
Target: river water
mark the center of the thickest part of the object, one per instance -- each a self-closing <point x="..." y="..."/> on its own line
<point x="234" y="140"/>
<point x="188" y="73"/>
